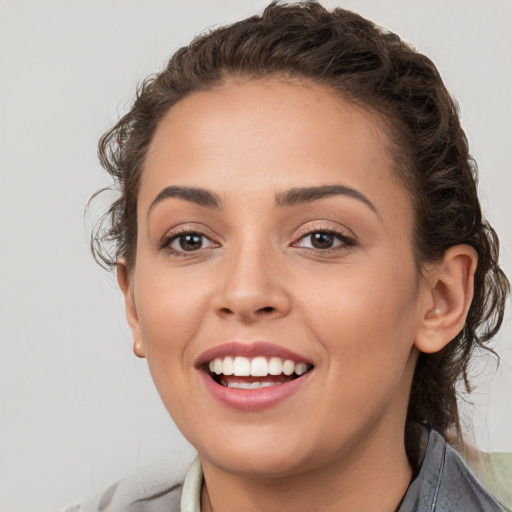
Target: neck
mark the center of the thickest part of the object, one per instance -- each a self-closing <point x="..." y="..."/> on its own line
<point x="372" y="477"/>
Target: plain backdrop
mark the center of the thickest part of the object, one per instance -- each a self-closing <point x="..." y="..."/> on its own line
<point x="78" y="410"/>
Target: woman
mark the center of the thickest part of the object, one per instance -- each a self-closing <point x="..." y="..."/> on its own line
<point x="305" y="267"/>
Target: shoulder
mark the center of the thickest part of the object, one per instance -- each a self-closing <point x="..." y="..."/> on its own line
<point x="494" y="470"/>
<point x="444" y="483"/>
<point x="154" y="489"/>
<point x="460" y="485"/>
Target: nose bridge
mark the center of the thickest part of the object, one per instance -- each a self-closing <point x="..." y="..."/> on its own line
<point x="253" y="285"/>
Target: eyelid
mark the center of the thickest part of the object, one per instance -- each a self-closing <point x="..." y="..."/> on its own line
<point x="347" y="238"/>
<point x="174" y="233"/>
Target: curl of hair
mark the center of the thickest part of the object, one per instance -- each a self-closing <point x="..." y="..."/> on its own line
<point x="379" y="72"/>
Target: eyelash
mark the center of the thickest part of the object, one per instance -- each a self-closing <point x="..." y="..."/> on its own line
<point x="345" y="240"/>
<point x="167" y="241"/>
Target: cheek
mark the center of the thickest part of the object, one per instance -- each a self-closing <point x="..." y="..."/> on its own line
<point x="366" y="318"/>
<point x="366" y="329"/>
<point x="170" y="314"/>
<point x="169" y="321"/>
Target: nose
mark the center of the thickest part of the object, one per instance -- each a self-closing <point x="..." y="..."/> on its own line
<point x="254" y="286"/>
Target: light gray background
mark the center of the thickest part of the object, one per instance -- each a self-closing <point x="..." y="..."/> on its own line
<point x="78" y="410"/>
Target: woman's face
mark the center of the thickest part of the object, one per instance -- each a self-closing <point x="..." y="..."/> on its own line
<point x="274" y="237"/>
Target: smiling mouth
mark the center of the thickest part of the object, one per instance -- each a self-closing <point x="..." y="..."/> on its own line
<point x="256" y="372"/>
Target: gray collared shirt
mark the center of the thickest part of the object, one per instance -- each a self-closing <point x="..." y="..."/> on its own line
<point x="442" y="483"/>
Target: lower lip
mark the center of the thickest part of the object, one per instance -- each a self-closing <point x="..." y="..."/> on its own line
<point x="253" y="399"/>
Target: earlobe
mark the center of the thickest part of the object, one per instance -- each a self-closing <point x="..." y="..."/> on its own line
<point x="450" y="287"/>
<point x="125" y="283"/>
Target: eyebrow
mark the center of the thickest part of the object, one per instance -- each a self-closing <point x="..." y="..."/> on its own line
<point x="297" y="196"/>
<point x="198" y="196"/>
<point x="292" y="197"/>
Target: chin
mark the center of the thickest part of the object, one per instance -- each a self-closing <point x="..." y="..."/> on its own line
<point x="257" y="463"/>
<point x="258" y="454"/>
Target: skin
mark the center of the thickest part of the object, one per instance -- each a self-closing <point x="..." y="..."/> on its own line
<point x="360" y="311"/>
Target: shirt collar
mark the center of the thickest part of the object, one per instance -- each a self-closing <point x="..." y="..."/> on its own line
<point x="191" y="495"/>
<point x="192" y="486"/>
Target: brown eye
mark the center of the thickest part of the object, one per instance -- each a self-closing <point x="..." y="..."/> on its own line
<point x="322" y="240"/>
<point x="188" y="242"/>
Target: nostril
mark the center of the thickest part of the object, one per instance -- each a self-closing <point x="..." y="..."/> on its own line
<point x="248" y="315"/>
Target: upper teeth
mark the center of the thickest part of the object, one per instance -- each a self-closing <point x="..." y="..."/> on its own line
<point x="256" y="367"/>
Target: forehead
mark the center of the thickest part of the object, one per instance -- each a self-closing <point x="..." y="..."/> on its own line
<point x="251" y="136"/>
<point x="250" y="111"/>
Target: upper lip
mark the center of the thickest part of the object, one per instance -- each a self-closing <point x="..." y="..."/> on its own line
<point x="249" y="350"/>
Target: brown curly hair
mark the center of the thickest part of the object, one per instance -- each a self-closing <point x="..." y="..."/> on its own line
<point x="379" y="72"/>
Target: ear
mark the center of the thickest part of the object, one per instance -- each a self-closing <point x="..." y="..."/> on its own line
<point x="125" y="283"/>
<point x="450" y="286"/>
